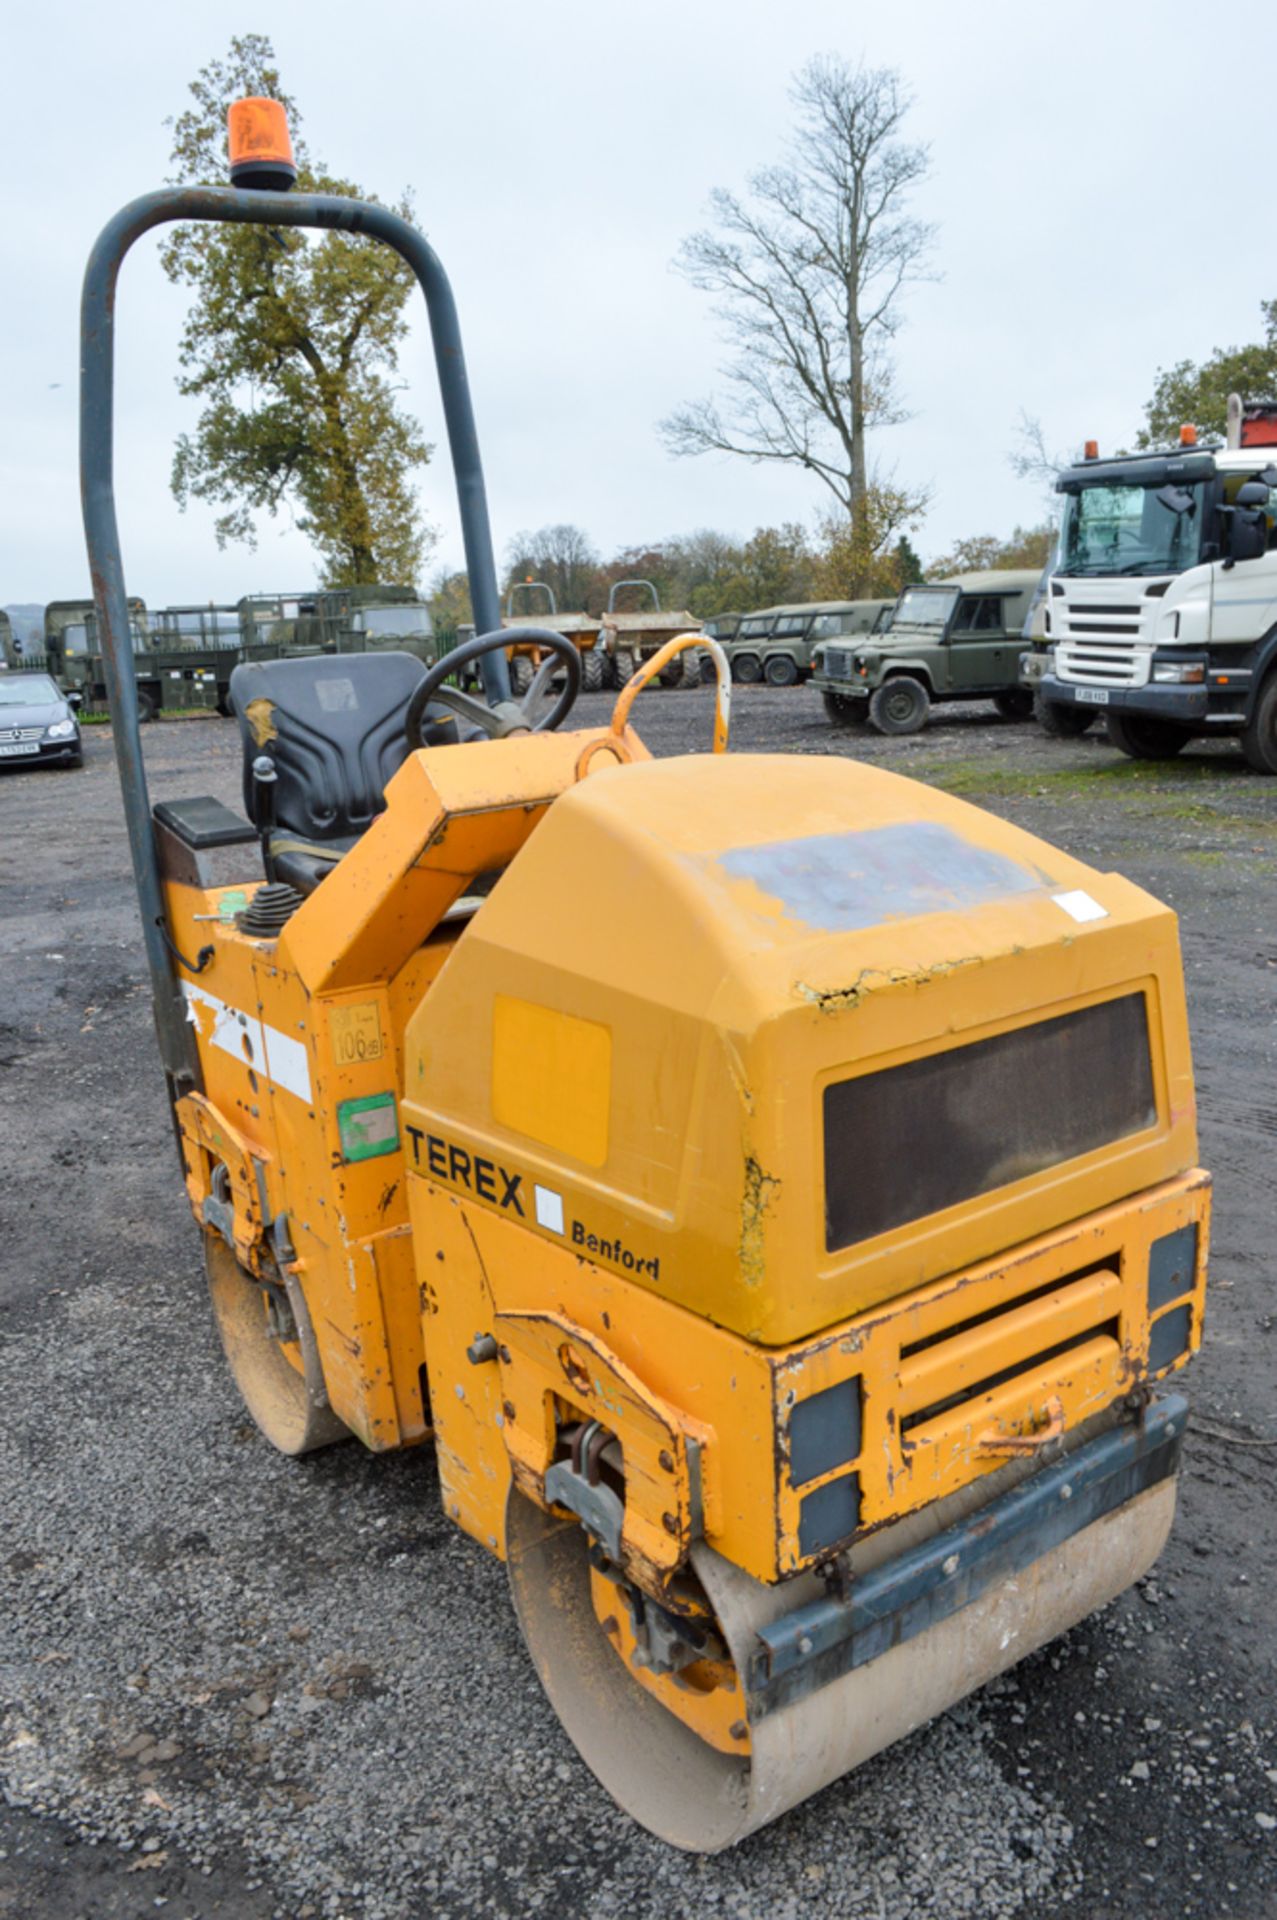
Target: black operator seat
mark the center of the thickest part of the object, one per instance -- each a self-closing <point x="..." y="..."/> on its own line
<point x="332" y="726"/>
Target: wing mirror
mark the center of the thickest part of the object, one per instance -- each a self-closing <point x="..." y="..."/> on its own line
<point x="1253" y="493"/>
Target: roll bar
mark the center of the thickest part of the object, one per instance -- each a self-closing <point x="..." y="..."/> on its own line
<point x="531" y="586"/>
<point x="244" y="206"/>
<point x="622" y="584"/>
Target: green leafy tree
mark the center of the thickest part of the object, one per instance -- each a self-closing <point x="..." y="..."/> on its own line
<point x="1189" y="395"/>
<point x="908" y="565"/>
<point x="449" y="604"/>
<point x="777" y="567"/>
<point x="290" y="347"/>
<point x="859" y="559"/>
<point x="1026" y="547"/>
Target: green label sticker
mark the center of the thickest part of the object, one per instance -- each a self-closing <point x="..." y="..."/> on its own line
<point x="232" y="902"/>
<point x="368" y="1126"/>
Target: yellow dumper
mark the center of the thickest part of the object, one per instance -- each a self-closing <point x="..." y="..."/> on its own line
<point x="769" y="1183"/>
<point x="632" y="636"/>
<point x="584" y="631"/>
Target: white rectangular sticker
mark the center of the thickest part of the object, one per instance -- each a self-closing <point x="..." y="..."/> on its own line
<point x="1080" y="906"/>
<point x="549" y="1205"/>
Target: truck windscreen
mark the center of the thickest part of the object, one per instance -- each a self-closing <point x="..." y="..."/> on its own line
<point x="1128" y="529"/>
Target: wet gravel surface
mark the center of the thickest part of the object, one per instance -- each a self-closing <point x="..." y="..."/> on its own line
<point x="239" y="1686"/>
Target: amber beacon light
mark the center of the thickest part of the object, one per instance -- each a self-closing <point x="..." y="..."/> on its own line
<point x="260" y="147"/>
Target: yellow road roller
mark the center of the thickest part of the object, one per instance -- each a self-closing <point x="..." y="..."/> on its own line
<point x="768" y="1182"/>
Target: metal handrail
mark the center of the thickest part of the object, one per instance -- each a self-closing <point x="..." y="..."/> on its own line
<point x="101" y="531"/>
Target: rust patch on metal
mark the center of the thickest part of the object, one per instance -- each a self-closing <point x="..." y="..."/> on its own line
<point x="873" y="979"/>
<point x="760" y="1190"/>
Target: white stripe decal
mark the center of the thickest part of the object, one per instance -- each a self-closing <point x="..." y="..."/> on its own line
<point x="287" y="1063"/>
<point x="281" y="1058"/>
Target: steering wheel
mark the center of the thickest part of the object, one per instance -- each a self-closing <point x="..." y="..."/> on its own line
<point x="508" y="716"/>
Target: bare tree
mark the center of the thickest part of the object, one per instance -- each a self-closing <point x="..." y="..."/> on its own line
<point x="1032" y="460"/>
<point x="808" y="272"/>
<point x="561" y="556"/>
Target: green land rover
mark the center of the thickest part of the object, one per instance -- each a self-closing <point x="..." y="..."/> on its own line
<point x="956" y="639"/>
<point x="777" y="644"/>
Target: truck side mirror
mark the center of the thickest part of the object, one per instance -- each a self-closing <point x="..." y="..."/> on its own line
<point x="1248" y="535"/>
<point x="1252" y="493"/>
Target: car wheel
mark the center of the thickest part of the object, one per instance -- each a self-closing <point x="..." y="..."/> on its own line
<point x="747" y="669"/>
<point x="1259" y="738"/>
<point x="1060" y="721"/>
<point x="780" y="671"/>
<point x="1140" y="736"/>
<point x="844" y="712"/>
<point x="900" y="705"/>
<point x="1014" y="703"/>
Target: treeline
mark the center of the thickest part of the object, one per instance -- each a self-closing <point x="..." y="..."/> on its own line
<point x="708" y="573"/>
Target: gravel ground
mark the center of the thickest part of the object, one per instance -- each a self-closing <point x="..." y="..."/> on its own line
<point x="240" y="1686"/>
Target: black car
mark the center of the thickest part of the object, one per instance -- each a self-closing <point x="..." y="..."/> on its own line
<point x="38" y="726"/>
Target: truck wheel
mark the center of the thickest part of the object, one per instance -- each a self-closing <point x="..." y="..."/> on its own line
<point x="622" y="667"/>
<point x="593" y="666"/>
<point x="1061" y="722"/>
<point x="521" y="672"/>
<point x="844" y="712"/>
<point x="145" y="706"/>
<point x="708" y="671"/>
<point x="690" y="661"/>
<point x="1140" y="736"/>
<point x="900" y="705"/>
<point x="747" y="668"/>
<point x="1259" y="737"/>
<point x="780" y="671"/>
<point x="1014" y="703"/>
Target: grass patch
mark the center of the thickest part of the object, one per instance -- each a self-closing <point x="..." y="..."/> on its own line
<point x="1196" y="794"/>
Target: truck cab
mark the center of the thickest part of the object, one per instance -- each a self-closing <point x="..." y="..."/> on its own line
<point x="1162" y="609"/>
<point x="955" y="639"/>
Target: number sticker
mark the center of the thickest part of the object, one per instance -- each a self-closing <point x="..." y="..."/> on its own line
<point x="356" y="1032"/>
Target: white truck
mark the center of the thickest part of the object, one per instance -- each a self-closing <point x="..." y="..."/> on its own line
<point x="1161" y="611"/>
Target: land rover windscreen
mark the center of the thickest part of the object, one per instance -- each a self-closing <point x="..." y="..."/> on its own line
<point x="930" y="607"/>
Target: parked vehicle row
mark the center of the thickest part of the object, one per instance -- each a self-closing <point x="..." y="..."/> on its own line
<point x="1158" y="612"/>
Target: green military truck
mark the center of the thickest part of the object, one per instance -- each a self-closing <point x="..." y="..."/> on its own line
<point x="168" y="677"/>
<point x="955" y="639"/>
<point x="335" y="620"/>
<point x="781" y="653"/>
<point x="204" y="642"/>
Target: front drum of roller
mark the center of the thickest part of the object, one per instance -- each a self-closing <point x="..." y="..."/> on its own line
<point x="701" y="1799"/>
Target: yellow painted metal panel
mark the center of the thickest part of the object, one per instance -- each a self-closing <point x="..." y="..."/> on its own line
<point x="552" y="1077"/>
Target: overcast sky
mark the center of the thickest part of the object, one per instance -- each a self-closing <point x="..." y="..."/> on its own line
<point x="1101" y="212"/>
